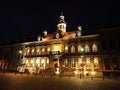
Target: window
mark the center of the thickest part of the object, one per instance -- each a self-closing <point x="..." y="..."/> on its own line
<point x="96" y="63"/>
<point x="78" y="34"/>
<point x="79" y="48"/>
<point x="32" y="62"/>
<point x="66" y="63"/>
<point x="66" y="49"/>
<point x="94" y="48"/>
<point x="43" y="50"/>
<point x="28" y="51"/>
<point x="43" y="63"/>
<point x="57" y="35"/>
<point x="87" y="49"/>
<point x="48" y="50"/>
<point x="72" y="49"/>
<point x="87" y="62"/>
<point x="73" y="62"/>
<point x="38" y="50"/>
<point x="33" y="50"/>
<point x="47" y="61"/>
<point x="80" y="62"/>
<point x="38" y="62"/>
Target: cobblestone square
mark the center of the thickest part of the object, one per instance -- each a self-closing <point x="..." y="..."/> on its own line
<point x="10" y="81"/>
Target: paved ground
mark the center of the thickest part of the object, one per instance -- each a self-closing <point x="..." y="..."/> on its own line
<point x="10" y="81"/>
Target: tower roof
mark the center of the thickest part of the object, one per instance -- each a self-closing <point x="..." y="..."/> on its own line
<point x="61" y="20"/>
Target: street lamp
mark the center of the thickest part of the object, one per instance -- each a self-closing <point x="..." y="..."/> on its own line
<point x="20" y="51"/>
<point x="114" y="71"/>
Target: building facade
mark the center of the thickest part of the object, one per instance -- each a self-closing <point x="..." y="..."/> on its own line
<point x="62" y="51"/>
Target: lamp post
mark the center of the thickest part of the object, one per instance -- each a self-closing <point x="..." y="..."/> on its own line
<point x="82" y="65"/>
<point x="115" y="71"/>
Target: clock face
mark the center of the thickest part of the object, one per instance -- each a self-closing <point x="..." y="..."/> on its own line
<point x="78" y="34"/>
<point x="57" y="35"/>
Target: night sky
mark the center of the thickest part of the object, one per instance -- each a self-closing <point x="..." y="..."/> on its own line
<point x="20" y="19"/>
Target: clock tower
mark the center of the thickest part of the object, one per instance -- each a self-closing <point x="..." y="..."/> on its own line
<point x="61" y="24"/>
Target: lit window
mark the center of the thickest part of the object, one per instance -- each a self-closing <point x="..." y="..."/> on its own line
<point x="79" y="48"/>
<point x="87" y="62"/>
<point x="66" y="62"/>
<point x="38" y="62"/>
<point x="47" y="62"/>
<point x="72" y="49"/>
<point x="96" y="63"/>
<point x="57" y="47"/>
<point x="73" y="62"/>
<point x="33" y="51"/>
<point x="43" y="63"/>
<point x="57" y="35"/>
<point x="38" y="50"/>
<point x="28" y="51"/>
<point x="26" y="62"/>
<point x="66" y="49"/>
<point x="87" y="49"/>
<point x="94" y="48"/>
<point x="78" y="34"/>
<point x="32" y="63"/>
<point x="80" y="62"/>
<point x="43" y="50"/>
<point x="48" y="50"/>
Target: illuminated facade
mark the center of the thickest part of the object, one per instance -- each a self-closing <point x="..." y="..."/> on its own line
<point x="66" y="51"/>
<point x="62" y="51"/>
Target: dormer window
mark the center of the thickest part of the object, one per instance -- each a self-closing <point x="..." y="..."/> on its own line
<point x="78" y="34"/>
<point x="57" y="35"/>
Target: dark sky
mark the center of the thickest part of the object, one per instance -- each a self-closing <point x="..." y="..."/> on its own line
<point x="23" y="19"/>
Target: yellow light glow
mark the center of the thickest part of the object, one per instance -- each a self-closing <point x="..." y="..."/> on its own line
<point x="20" y="51"/>
<point x="57" y="71"/>
<point x="93" y="72"/>
<point x="56" y="48"/>
<point x="32" y="50"/>
<point x="82" y="49"/>
<point x="76" y="72"/>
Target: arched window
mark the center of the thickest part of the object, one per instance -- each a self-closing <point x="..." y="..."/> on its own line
<point x="43" y="50"/>
<point x="87" y="48"/>
<point x="87" y="62"/>
<point x="32" y="62"/>
<point x="32" y="51"/>
<point x="43" y="63"/>
<point x="96" y="62"/>
<point x="94" y="48"/>
<point x="27" y="51"/>
<point x="66" y="49"/>
<point x="66" y="63"/>
<point x="48" y="50"/>
<point x="72" y="49"/>
<point x="73" y="62"/>
<point x="79" y="48"/>
<point x="38" y="50"/>
<point x="38" y="62"/>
